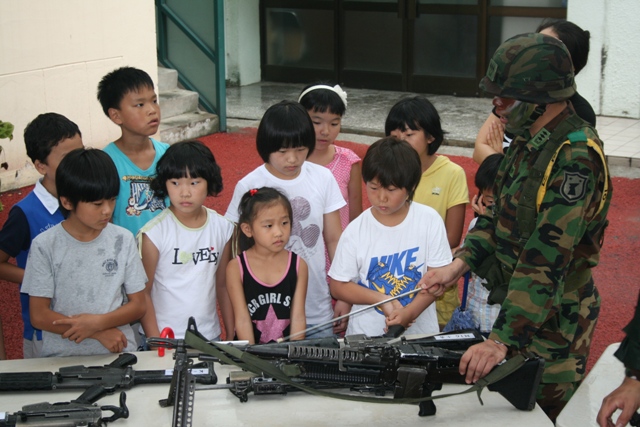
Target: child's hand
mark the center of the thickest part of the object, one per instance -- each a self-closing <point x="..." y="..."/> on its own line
<point x="390" y="307"/>
<point x="495" y="136"/>
<point x="399" y="316"/>
<point x="112" y="339"/>
<point x="477" y="205"/>
<point x="82" y="326"/>
<point x="341" y="309"/>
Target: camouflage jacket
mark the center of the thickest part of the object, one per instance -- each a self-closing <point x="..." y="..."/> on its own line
<point x="566" y="238"/>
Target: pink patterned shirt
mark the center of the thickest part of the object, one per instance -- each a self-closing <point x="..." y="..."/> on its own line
<point x="340" y="167"/>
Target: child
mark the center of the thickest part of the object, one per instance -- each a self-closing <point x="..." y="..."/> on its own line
<point x="128" y="98"/>
<point x="185" y="249"/>
<point x="285" y="139"/>
<point x="79" y="271"/>
<point x="387" y="249"/>
<point x="326" y="105"/>
<point x="443" y="184"/>
<point x="48" y="138"/>
<point x="268" y="284"/>
<point x="483" y="314"/>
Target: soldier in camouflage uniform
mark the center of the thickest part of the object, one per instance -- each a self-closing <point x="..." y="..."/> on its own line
<point x="553" y="193"/>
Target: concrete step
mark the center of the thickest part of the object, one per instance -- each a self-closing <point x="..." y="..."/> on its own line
<point x="167" y="79"/>
<point x="188" y="126"/>
<point x="177" y="101"/>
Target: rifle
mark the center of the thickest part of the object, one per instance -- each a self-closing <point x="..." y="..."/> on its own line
<point x="98" y="381"/>
<point x="407" y="369"/>
<point x="65" y="414"/>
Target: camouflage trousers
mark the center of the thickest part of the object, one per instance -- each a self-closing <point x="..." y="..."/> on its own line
<point x="564" y="342"/>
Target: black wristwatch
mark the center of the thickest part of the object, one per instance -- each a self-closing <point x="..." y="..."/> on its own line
<point x="634" y="374"/>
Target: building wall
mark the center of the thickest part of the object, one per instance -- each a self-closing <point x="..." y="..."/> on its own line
<point x="610" y="81"/>
<point x="242" y="42"/>
<point x="54" y="53"/>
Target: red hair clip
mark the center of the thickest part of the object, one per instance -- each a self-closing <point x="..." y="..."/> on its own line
<point x="253" y="192"/>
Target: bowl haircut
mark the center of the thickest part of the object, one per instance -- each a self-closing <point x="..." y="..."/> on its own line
<point x="416" y="113"/>
<point x="285" y="125"/>
<point x="86" y="175"/>
<point x="394" y="163"/>
<point x="187" y="159"/>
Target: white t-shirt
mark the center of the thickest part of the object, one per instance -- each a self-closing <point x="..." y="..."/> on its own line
<point x="313" y="193"/>
<point x="391" y="260"/>
<point x="184" y="284"/>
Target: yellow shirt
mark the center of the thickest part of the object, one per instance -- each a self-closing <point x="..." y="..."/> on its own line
<point x="442" y="186"/>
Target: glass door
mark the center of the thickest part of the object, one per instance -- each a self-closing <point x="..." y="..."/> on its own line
<point x="428" y="46"/>
<point x="374" y="44"/>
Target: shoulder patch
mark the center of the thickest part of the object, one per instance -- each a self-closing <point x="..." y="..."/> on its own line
<point x="577" y="136"/>
<point x="574" y="186"/>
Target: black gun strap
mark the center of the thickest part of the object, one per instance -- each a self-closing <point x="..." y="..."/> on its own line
<point x="262" y="367"/>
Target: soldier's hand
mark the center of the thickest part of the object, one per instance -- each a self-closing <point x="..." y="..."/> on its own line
<point x="437" y="279"/>
<point x="480" y="359"/>
<point x="626" y="397"/>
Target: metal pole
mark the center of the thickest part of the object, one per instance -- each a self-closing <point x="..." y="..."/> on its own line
<point x="320" y="325"/>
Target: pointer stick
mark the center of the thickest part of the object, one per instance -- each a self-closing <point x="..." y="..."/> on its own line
<point x="329" y="322"/>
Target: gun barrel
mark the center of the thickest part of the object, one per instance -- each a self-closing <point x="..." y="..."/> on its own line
<point x="27" y="381"/>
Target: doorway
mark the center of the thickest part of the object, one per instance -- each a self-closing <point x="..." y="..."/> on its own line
<point x="429" y="46"/>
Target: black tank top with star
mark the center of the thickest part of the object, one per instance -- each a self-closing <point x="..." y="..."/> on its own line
<point x="269" y="305"/>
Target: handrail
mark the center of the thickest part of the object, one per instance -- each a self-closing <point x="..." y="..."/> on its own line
<point x="217" y="106"/>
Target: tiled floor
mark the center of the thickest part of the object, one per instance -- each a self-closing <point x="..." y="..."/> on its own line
<point x="621" y="140"/>
<point x="461" y="117"/>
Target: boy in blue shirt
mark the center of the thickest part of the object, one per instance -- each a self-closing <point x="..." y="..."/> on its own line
<point x="48" y="138"/>
<point x="128" y="98"/>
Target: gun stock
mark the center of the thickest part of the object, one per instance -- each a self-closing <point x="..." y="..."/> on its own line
<point x="67" y="414"/>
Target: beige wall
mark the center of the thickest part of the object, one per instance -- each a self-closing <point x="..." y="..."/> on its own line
<point x="610" y="81"/>
<point x="53" y="53"/>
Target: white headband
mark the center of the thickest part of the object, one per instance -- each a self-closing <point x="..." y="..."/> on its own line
<point x="337" y="89"/>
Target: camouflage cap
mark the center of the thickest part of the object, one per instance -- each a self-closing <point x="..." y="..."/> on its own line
<point x="532" y="68"/>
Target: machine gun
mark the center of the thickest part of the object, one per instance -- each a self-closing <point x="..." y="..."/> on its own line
<point x="408" y="370"/>
<point x="98" y="381"/>
<point x="66" y="414"/>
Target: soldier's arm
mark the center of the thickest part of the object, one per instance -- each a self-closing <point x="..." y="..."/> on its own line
<point x="569" y="205"/>
<point x="478" y="244"/>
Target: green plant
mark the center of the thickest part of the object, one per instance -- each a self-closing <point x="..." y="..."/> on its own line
<point x="6" y="131"/>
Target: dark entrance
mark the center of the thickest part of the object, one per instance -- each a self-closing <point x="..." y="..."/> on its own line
<point x="432" y="46"/>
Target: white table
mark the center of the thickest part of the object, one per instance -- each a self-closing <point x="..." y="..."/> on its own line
<point x="607" y="374"/>
<point x="221" y="408"/>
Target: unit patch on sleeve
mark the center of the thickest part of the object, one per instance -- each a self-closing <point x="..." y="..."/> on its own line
<point x="573" y="187"/>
